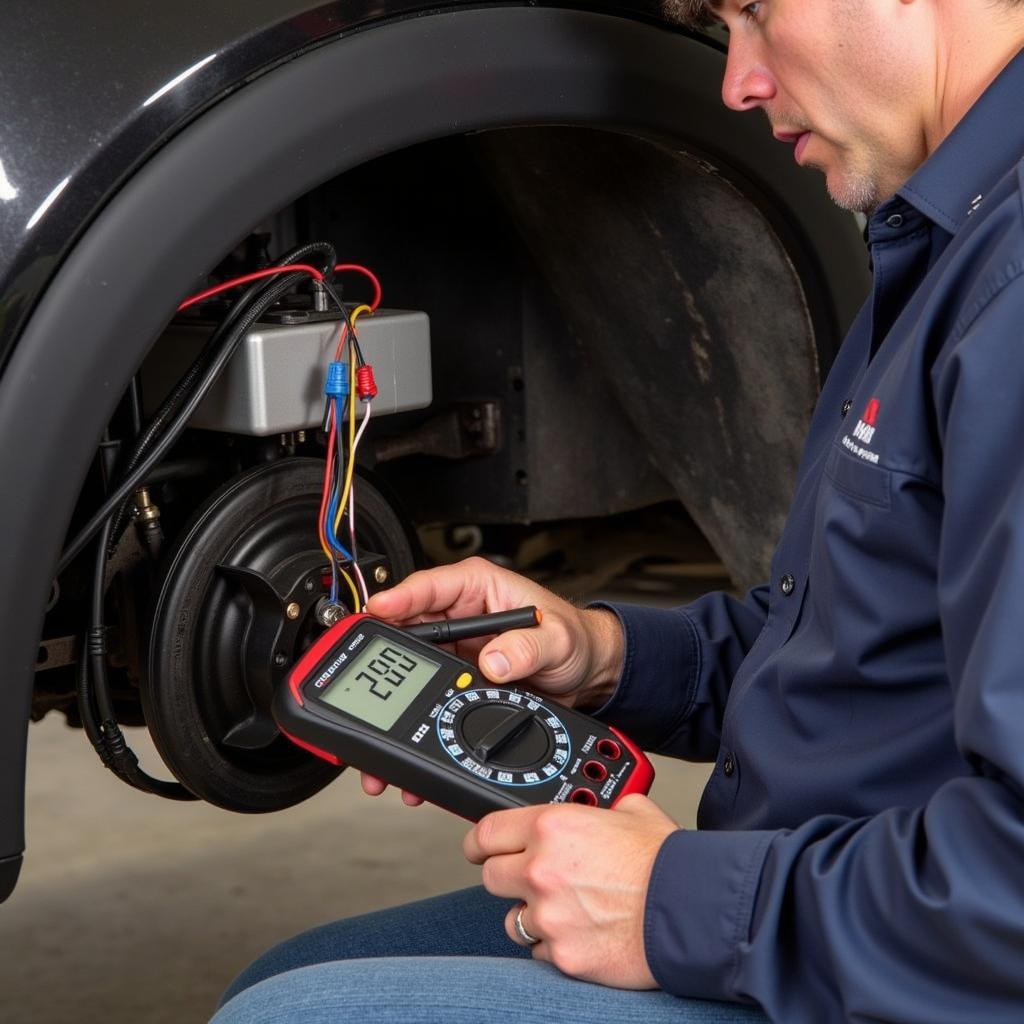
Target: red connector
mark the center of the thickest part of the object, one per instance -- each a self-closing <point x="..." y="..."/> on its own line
<point x="366" y="386"/>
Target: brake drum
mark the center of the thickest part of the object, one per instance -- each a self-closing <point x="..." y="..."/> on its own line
<point x="235" y="608"/>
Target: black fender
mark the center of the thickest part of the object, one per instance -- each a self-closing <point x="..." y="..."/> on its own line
<point x="390" y="86"/>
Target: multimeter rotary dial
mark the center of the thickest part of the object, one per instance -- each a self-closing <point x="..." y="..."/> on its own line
<point x="505" y="736"/>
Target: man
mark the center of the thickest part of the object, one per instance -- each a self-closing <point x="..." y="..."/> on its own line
<point x="861" y="851"/>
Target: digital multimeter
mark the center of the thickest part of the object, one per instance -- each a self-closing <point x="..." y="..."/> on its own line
<point x="375" y="697"/>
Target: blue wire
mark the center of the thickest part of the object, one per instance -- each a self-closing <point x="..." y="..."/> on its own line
<point x="332" y="508"/>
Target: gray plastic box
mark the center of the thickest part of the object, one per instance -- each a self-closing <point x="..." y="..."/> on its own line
<point x="275" y="381"/>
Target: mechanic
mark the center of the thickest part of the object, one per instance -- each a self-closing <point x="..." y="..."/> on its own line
<point x="861" y="837"/>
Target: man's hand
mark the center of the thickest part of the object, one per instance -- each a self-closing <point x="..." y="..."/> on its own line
<point x="574" y="656"/>
<point x="582" y="873"/>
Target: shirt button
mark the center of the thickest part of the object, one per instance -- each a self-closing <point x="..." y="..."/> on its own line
<point x="895" y="221"/>
<point x="728" y="765"/>
<point x="847" y="405"/>
<point x="788" y="584"/>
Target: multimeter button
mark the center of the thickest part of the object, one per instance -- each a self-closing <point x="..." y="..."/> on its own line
<point x="609" y="749"/>
<point x="504" y="736"/>
<point x="583" y="796"/>
<point x="595" y="771"/>
<point x="464" y="680"/>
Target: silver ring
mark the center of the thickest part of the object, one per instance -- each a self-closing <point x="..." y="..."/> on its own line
<point x="521" y="931"/>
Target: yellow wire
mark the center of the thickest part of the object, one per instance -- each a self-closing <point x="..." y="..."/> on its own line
<point x="356" y="604"/>
<point x="358" y="312"/>
<point x="347" y="490"/>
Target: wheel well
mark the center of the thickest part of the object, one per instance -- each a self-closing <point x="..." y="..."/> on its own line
<point x="280" y="137"/>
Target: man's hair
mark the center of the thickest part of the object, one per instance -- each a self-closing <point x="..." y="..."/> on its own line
<point x="690" y="12"/>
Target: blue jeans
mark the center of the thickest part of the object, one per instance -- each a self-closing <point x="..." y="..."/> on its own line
<point x="444" y="960"/>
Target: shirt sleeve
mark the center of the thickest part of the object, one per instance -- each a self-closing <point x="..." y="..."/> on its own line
<point x="679" y="665"/>
<point x="915" y="914"/>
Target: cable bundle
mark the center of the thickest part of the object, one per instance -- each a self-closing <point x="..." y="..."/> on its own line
<point x="338" y="499"/>
<point x="267" y="287"/>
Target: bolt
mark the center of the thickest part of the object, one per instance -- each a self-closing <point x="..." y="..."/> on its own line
<point x="280" y="660"/>
<point x="293" y="610"/>
<point x="380" y="574"/>
<point x="308" y="586"/>
<point x="328" y="614"/>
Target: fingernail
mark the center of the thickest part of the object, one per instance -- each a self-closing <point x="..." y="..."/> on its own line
<point x="497" y="664"/>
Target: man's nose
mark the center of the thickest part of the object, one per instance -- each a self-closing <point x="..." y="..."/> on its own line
<point x="747" y="83"/>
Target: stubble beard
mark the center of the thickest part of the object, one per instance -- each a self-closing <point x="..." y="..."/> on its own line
<point x="856" y="184"/>
<point x="857" y="192"/>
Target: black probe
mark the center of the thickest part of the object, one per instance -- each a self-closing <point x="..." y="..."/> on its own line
<point x="448" y="631"/>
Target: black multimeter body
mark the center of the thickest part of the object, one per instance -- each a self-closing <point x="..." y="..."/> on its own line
<point x="372" y="696"/>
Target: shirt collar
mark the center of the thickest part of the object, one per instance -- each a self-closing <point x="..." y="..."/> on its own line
<point x="986" y="143"/>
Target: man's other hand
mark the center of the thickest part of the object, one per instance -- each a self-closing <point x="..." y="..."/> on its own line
<point x="582" y="873"/>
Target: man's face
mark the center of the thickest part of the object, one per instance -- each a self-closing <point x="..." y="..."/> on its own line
<point x="833" y="77"/>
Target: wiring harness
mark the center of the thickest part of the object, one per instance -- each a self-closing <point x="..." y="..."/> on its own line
<point x="316" y="260"/>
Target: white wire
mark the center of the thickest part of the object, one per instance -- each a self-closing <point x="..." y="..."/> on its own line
<point x="352" y="507"/>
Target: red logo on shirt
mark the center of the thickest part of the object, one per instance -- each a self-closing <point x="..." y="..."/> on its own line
<point x="865" y="429"/>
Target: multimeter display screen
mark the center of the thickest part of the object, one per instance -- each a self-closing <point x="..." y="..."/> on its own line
<point x="382" y="681"/>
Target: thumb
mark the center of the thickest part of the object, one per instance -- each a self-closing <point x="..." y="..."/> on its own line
<point x="388" y="604"/>
<point x="513" y="655"/>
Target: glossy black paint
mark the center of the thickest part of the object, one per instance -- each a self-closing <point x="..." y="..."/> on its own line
<point x="78" y="81"/>
<point x="81" y="86"/>
<point x="95" y="127"/>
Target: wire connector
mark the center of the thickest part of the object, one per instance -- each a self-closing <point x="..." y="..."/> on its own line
<point x="366" y="386"/>
<point x="337" y="385"/>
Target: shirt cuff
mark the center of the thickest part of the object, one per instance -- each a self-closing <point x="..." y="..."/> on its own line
<point x="700" y="901"/>
<point x="655" y="692"/>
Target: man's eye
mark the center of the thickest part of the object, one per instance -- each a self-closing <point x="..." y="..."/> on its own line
<point x="750" y="11"/>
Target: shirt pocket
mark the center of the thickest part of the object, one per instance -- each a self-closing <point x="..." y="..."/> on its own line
<point x="857" y="478"/>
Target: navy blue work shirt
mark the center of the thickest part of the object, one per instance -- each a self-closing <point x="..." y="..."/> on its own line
<point x="861" y="846"/>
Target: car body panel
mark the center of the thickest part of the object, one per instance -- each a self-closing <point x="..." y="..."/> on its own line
<point x="66" y="354"/>
<point x="91" y="90"/>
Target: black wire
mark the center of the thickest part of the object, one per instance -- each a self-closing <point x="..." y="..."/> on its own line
<point x="93" y="690"/>
<point x="102" y="727"/>
<point x="158" y="448"/>
<point x="172" y="403"/>
<point x="353" y="340"/>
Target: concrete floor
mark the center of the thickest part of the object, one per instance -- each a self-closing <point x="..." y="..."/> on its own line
<point x="132" y="908"/>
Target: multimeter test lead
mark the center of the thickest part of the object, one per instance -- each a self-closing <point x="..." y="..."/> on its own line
<point x="449" y="631"/>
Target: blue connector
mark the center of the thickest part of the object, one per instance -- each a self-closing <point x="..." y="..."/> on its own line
<point x="337" y="385"/>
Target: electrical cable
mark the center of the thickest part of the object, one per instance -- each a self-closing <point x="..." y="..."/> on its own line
<point x="352" y="508"/>
<point x="111" y="745"/>
<point x="148" y="451"/>
<point x="256" y="275"/>
<point x="341" y="268"/>
<point x="93" y="691"/>
<point x="159" y="448"/>
<point x="339" y="482"/>
<point x="347" y="330"/>
<point x="172" y="402"/>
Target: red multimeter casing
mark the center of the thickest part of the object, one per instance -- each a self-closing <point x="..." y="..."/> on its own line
<point x="370" y="695"/>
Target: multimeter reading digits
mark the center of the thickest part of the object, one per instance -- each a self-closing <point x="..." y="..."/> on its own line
<point x="386" y="702"/>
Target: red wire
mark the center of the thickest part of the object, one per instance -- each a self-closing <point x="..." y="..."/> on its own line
<point x="355" y="267"/>
<point x="341" y="341"/>
<point x="326" y="495"/>
<point x="256" y="275"/>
